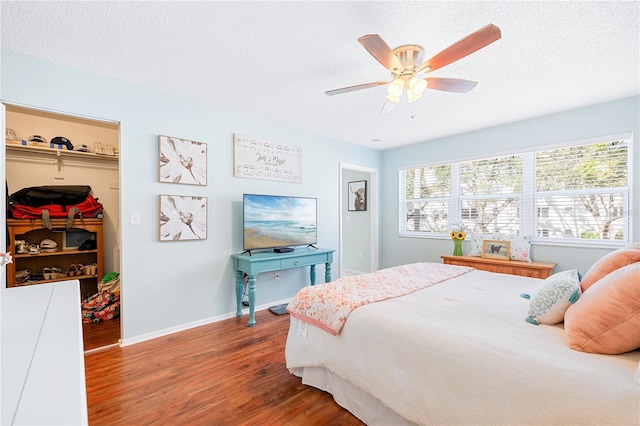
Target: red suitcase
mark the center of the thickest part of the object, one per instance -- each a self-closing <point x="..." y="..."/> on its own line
<point x="90" y="207"/>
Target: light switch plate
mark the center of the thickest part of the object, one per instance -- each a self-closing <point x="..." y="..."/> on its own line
<point x="134" y="219"/>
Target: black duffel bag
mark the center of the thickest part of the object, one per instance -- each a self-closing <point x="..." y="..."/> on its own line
<point x="63" y="195"/>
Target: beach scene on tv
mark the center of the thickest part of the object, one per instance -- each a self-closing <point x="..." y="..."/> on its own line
<point x="278" y="221"/>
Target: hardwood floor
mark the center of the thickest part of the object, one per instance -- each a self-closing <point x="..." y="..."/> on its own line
<point x="220" y="374"/>
<point x="100" y="334"/>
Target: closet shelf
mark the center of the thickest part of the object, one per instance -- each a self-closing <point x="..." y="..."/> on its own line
<point x="37" y="151"/>
<point x="53" y="253"/>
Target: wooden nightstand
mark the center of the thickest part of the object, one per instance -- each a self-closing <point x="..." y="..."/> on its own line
<point x="513" y="267"/>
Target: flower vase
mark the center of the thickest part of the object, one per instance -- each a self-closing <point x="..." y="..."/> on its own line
<point x="457" y="247"/>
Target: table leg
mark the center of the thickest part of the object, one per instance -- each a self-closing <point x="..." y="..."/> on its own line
<point x="239" y="276"/>
<point x="252" y="300"/>
<point x="312" y="274"/>
<point x="327" y="272"/>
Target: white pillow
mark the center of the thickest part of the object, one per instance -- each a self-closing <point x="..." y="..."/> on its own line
<point x="636" y="376"/>
<point x="520" y="248"/>
<point x="553" y="296"/>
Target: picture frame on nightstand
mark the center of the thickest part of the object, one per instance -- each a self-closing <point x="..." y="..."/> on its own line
<point x="496" y="249"/>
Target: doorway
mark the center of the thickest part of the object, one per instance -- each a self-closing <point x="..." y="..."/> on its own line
<point x="359" y="236"/>
<point x="93" y="160"/>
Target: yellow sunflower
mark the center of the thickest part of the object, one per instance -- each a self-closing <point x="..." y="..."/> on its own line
<point x="460" y="235"/>
<point x="453" y="234"/>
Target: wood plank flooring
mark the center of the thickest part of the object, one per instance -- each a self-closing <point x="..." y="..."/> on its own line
<point x="220" y="374"/>
<point x="99" y="334"/>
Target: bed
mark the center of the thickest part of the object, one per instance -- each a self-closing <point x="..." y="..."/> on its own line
<point x="456" y="351"/>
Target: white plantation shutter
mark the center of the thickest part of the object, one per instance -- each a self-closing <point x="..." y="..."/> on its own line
<point x="491" y="176"/>
<point x="576" y="193"/>
<point x="425" y="208"/>
<point x="582" y="192"/>
<point x="599" y="165"/>
<point x="490" y="194"/>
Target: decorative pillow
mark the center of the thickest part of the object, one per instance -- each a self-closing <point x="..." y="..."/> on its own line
<point x="606" y="319"/>
<point x="520" y="248"/>
<point x="476" y="242"/>
<point x="609" y="263"/>
<point x="553" y="296"/>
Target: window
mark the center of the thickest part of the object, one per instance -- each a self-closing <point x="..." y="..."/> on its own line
<point x="543" y="232"/>
<point x="572" y="192"/>
<point x="492" y="188"/>
<point x="428" y="193"/>
<point x="469" y="213"/>
<point x="543" y="212"/>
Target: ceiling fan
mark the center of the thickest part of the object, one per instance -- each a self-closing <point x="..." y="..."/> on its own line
<point x="404" y="63"/>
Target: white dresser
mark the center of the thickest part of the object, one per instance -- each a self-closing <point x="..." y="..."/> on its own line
<point x="43" y="380"/>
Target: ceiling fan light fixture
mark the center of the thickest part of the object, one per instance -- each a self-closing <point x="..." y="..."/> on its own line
<point x="394" y="99"/>
<point x="411" y="97"/>
<point x="395" y="88"/>
<point x="415" y="88"/>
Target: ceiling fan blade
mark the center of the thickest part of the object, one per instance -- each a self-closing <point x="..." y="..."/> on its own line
<point x="461" y="48"/>
<point x="380" y="50"/>
<point x="354" y="88"/>
<point x="450" y="84"/>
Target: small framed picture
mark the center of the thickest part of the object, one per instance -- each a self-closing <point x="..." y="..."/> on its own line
<point x="182" y="161"/>
<point x="496" y="249"/>
<point x="182" y="218"/>
<point x="357" y="196"/>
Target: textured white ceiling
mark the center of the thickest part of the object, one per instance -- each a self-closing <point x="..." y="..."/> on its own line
<point x="276" y="59"/>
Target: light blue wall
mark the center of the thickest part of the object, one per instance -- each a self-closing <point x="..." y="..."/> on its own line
<point x="170" y="284"/>
<point x="356" y="226"/>
<point x="584" y="123"/>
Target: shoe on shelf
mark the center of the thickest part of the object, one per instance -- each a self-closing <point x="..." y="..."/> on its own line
<point x="48" y="245"/>
<point x="57" y="273"/>
<point x="88" y="245"/>
<point x="71" y="270"/>
<point x="22" y="276"/>
<point x="46" y="273"/>
<point x="21" y="247"/>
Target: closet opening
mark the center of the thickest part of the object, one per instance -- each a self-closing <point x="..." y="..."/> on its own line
<point x="49" y="152"/>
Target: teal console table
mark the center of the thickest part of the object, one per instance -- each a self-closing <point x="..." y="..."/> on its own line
<point x="256" y="263"/>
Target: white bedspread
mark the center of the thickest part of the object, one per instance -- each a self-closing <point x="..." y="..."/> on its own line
<point x="461" y="352"/>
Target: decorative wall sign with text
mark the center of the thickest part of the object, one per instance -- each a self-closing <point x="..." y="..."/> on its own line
<point x="260" y="159"/>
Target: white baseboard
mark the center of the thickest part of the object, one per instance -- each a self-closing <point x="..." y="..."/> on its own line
<point x="190" y="325"/>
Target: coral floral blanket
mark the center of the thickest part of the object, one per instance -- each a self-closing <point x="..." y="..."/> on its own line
<point x="327" y="306"/>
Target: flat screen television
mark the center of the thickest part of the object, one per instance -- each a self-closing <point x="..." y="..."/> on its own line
<point x="277" y="221"/>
